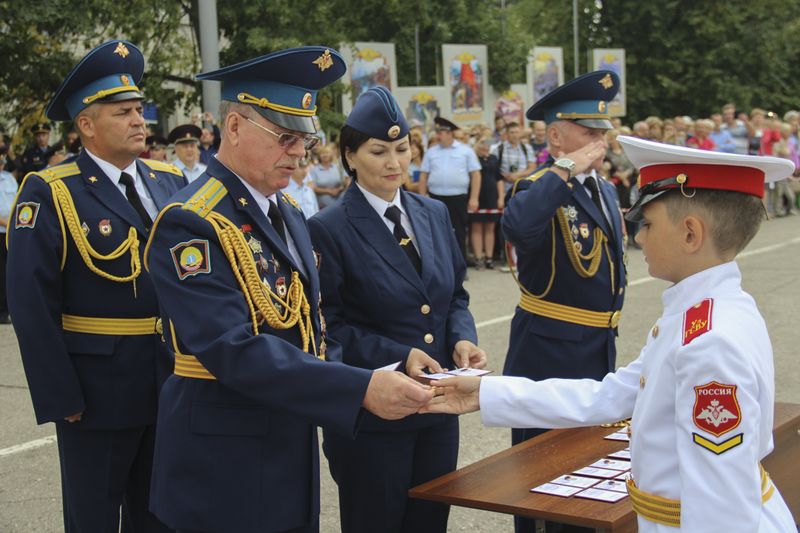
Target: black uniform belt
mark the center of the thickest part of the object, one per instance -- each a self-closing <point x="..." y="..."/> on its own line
<point x="111" y="326"/>
<point x="567" y="313"/>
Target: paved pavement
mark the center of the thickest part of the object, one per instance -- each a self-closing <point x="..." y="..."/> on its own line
<point x="30" y="498"/>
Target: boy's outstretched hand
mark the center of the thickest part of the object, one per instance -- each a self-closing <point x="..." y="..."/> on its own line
<point x="454" y="396"/>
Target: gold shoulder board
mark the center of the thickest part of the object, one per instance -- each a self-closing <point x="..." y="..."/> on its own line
<point x="206" y="198"/>
<point x="288" y="198"/>
<point x="163" y="167"/>
<point x="59" y="171"/>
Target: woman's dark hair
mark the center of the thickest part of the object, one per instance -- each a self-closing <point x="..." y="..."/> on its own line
<point x="350" y="139"/>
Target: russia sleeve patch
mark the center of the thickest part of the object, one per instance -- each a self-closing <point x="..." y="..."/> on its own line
<point x="26" y="215"/>
<point x="697" y="320"/>
<point x="191" y="258"/>
<point x="716" y="411"/>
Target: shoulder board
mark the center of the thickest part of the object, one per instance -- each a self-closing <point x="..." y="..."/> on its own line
<point x="59" y="171"/>
<point x="697" y="320"/>
<point x="206" y="198"/>
<point x="161" y="166"/>
<point x="538" y="174"/>
<point x="287" y="198"/>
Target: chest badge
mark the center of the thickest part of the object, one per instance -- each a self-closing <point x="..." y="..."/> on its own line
<point x="85" y="228"/>
<point x="584" y="230"/>
<point x="280" y="286"/>
<point x="105" y="227"/>
<point x="255" y="245"/>
<point x="571" y="213"/>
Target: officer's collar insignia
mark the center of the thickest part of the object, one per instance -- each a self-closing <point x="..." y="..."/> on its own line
<point x="716" y="409"/>
<point x="324" y="61"/>
<point x="152" y="176"/>
<point x="26" y="215"/>
<point x="85" y="228"/>
<point x="697" y="320"/>
<point x="606" y="81"/>
<point x="122" y="50"/>
<point x="191" y="258"/>
<point x="105" y="227"/>
<point x="93" y="179"/>
<point x="243" y="201"/>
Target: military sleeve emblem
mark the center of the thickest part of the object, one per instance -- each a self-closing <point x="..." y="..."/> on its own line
<point x="26" y="215"/>
<point x="716" y="412"/>
<point x="697" y="320"/>
<point x="191" y="258"/>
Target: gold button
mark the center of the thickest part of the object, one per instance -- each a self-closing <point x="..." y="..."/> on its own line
<point x="655" y="331"/>
<point x="428" y="338"/>
<point x="642" y="381"/>
<point x="614" y="322"/>
<point x="425" y="309"/>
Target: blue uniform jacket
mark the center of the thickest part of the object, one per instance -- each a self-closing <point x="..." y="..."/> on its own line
<point x="541" y="347"/>
<point x="376" y="305"/>
<point x="240" y="453"/>
<point x="113" y="379"/>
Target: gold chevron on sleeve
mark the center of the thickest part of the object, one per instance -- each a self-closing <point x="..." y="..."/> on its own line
<point x="720" y="448"/>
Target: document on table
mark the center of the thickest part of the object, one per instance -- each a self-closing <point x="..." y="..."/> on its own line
<point x="457" y="372"/>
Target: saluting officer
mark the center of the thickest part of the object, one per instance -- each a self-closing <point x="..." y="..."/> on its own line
<point x="34" y="158"/>
<point x="566" y="226"/>
<point x="236" y="446"/>
<point x="84" y="311"/>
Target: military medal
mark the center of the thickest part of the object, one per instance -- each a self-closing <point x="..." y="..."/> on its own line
<point x="280" y="286"/>
<point x="255" y="245"/>
<point x="263" y="264"/>
<point x="105" y="227"/>
<point x="571" y="213"/>
<point x="275" y="264"/>
<point x="574" y="230"/>
<point x="585" y="230"/>
<point x="85" y="228"/>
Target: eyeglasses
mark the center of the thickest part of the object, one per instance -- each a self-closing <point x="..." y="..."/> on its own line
<point x="287" y="140"/>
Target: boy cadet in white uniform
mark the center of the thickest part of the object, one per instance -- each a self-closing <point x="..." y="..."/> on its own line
<point x="701" y="392"/>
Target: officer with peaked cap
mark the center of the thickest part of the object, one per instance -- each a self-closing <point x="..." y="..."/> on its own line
<point x="85" y="312"/>
<point x="406" y="303"/>
<point x="186" y="143"/>
<point x="565" y="224"/>
<point x="34" y="158"/>
<point x="236" y="445"/>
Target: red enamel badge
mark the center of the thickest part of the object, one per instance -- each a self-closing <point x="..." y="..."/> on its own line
<point x="716" y="410"/>
<point x="697" y="320"/>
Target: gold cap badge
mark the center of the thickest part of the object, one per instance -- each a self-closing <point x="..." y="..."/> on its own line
<point x="606" y="82"/>
<point x="306" y="101"/>
<point x="394" y="131"/>
<point x="122" y="50"/>
<point x="324" y="61"/>
<point x="601" y="106"/>
<point x="125" y="80"/>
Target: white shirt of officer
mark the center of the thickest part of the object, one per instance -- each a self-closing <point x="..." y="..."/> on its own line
<point x="380" y="206"/>
<point x="114" y="175"/>
<point x="448" y="168"/>
<point x="718" y="492"/>
<point x="582" y="179"/>
<point x="191" y="173"/>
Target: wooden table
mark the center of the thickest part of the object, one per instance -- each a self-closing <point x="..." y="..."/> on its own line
<point x="502" y="482"/>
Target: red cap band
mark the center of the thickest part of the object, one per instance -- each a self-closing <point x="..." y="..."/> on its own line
<point x="748" y="180"/>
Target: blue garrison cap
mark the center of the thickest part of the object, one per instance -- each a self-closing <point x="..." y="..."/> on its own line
<point x="583" y="100"/>
<point x="377" y="114"/>
<point x="109" y="73"/>
<point x="282" y="86"/>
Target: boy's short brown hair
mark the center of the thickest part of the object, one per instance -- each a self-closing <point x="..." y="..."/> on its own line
<point x="733" y="217"/>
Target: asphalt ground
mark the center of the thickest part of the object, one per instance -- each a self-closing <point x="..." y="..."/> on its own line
<point x="30" y="496"/>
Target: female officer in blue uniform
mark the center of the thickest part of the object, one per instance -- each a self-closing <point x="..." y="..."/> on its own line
<point x="391" y="275"/>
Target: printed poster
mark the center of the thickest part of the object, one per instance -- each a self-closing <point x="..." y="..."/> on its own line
<point x="466" y="78"/>
<point x="423" y="103"/>
<point x="612" y="59"/>
<point x="368" y="65"/>
<point x="545" y="71"/>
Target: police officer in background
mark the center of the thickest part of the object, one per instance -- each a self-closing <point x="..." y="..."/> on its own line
<point x="449" y="170"/>
<point x="566" y="226"/>
<point x="85" y="312"/>
<point x="186" y="142"/>
<point x="34" y="158"/>
<point x="236" y="446"/>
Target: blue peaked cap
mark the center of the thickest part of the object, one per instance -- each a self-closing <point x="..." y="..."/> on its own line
<point x="110" y="72"/>
<point x="583" y="100"/>
<point x="377" y="114"/>
<point x="282" y="86"/>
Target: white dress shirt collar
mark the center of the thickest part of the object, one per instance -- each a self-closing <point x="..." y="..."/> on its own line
<point x="112" y="171"/>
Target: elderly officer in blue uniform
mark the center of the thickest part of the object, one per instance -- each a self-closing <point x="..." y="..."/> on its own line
<point x="84" y="310"/>
<point x="566" y="226"/>
<point x="236" y="446"/>
<point x="391" y="274"/>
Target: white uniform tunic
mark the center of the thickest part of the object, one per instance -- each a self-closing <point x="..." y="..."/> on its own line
<point x="695" y="438"/>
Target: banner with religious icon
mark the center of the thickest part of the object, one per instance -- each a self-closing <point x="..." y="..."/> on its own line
<point x="368" y="65"/>
<point x="510" y="104"/>
<point x="612" y="59"/>
<point x="466" y="77"/>
<point x="423" y="103"/>
<point x="545" y="71"/>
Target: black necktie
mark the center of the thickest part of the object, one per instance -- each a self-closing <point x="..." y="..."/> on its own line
<point x="133" y="197"/>
<point x="393" y="213"/>
<point x="591" y="184"/>
<point x="277" y="220"/>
